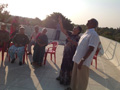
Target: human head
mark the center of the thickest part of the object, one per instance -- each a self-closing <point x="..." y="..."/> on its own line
<point x="3" y="26"/>
<point x="21" y="30"/>
<point x="15" y="26"/>
<point x="36" y="28"/>
<point x="44" y="31"/>
<point x="92" y="23"/>
<point x="77" y="30"/>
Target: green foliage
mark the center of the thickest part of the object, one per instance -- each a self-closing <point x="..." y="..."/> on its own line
<point x="52" y="20"/>
<point x="110" y="33"/>
<point x="4" y="14"/>
<point x="35" y="21"/>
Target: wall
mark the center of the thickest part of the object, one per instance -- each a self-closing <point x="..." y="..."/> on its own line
<point x="111" y="50"/>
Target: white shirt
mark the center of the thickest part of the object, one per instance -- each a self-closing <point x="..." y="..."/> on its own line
<point x="89" y="38"/>
<point x="34" y="35"/>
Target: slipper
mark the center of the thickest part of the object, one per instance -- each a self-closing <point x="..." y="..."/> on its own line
<point x="68" y="88"/>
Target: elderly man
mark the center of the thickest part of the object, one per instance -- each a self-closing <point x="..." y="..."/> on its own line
<point x="83" y="56"/>
<point x="4" y="35"/>
<point x="33" y="39"/>
<point x="19" y="41"/>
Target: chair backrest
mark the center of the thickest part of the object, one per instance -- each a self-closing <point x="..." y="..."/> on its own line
<point x="97" y="51"/>
<point x="55" y="44"/>
<point x="2" y="48"/>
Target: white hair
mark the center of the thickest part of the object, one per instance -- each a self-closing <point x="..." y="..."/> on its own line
<point x="21" y="27"/>
<point x="44" y="29"/>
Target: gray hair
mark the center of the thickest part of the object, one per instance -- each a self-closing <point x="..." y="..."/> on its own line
<point x="44" y="29"/>
<point x="21" y="27"/>
<point x="3" y="24"/>
<point x="36" y="26"/>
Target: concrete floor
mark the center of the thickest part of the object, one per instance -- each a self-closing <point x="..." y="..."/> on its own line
<point x="26" y="77"/>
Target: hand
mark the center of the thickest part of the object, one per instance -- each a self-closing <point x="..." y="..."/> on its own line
<point x="68" y="38"/>
<point x="20" y="45"/>
<point x="80" y="64"/>
<point x="16" y="45"/>
<point x="68" y="44"/>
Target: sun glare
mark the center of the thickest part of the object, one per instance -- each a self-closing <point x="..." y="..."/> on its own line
<point x="42" y="8"/>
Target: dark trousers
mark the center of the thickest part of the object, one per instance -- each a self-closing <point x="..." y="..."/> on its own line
<point x="57" y="36"/>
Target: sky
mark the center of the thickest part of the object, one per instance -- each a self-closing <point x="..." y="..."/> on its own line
<point x="107" y="12"/>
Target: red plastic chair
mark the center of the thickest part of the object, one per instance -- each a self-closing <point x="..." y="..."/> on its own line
<point x="95" y="57"/>
<point x="51" y="50"/>
<point x="25" y="54"/>
<point x="3" y="50"/>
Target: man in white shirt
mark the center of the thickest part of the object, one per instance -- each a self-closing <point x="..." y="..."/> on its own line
<point x="33" y="39"/>
<point x="83" y="56"/>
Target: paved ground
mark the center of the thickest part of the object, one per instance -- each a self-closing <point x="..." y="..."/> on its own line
<point x="25" y="77"/>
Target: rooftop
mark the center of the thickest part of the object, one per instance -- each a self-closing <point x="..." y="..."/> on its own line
<point x="26" y="77"/>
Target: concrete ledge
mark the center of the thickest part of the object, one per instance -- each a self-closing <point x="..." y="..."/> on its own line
<point x="111" y="50"/>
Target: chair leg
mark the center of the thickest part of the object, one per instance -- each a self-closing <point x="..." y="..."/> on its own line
<point x="96" y="63"/>
<point x="2" y="56"/>
<point x="51" y="57"/>
<point x="7" y="53"/>
<point x="45" y="58"/>
<point x="55" y="58"/>
<point x="26" y="55"/>
<point x="23" y="58"/>
<point x="8" y="57"/>
<point x="92" y="62"/>
<point x="16" y="55"/>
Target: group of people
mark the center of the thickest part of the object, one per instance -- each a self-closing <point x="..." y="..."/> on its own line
<point x="77" y="56"/>
<point x="17" y="41"/>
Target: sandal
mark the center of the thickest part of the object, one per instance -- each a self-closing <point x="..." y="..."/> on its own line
<point x="68" y="88"/>
<point x="58" y="78"/>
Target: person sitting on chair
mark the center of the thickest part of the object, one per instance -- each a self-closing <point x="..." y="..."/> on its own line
<point x="19" y="41"/>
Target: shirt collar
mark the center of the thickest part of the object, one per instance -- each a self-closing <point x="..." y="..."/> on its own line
<point x="90" y="30"/>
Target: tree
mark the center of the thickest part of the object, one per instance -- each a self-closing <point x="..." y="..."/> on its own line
<point x="4" y="14"/>
<point x="37" y="21"/>
<point x="52" y="20"/>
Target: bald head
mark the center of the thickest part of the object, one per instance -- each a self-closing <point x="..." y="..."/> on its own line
<point x="92" y="23"/>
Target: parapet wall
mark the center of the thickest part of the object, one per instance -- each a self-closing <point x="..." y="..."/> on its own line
<point x="50" y="33"/>
<point x="111" y="50"/>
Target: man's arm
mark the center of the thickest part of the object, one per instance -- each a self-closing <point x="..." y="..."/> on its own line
<point x="90" y="50"/>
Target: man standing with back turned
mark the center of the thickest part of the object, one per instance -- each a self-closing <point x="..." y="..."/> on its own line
<point x="83" y="56"/>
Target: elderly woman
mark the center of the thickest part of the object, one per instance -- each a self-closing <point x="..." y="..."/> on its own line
<point x="39" y="48"/>
<point x="19" y="41"/>
<point x="69" y="50"/>
<point x="33" y="39"/>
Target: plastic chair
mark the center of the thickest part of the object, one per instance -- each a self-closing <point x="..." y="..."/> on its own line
<point x="51" y="50"/>
<point x="95" y="57"/>
<point x="25" y="53"/>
